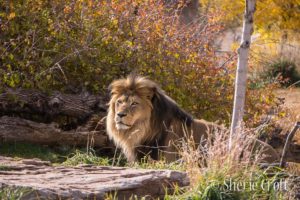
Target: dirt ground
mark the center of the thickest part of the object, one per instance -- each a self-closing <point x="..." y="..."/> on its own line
<point x="292" y="103"/>
<point x="292" y="99"/>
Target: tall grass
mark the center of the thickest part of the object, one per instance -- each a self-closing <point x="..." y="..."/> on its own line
<point x="219" y="173"/>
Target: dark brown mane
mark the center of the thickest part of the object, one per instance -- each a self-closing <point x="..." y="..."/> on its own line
<point x="165" y="110"/>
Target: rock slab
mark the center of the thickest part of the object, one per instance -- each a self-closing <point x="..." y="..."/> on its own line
<point x="86" y="181"/>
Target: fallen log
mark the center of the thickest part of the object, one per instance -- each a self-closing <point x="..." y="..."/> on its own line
<point x="15" y="129"/>
<point x="52" y="118"/>
<point x="22" y="102"/>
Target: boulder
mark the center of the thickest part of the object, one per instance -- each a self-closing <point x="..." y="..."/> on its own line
<point x="45" y="181"/>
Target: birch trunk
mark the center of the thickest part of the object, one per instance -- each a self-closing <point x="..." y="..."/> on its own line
<point x="241" y="73"/>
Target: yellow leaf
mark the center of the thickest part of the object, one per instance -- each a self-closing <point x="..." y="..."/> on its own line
<point x="115" y="22"/>
<point x="11" y="15"/>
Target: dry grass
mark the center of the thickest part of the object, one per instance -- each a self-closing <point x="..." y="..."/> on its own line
<point x="212" y="166"/>
<point x="215" y="156"/>
<point x="292" y="99"/>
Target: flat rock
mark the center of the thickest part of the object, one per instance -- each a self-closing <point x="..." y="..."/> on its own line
<point x="86" y="181"/>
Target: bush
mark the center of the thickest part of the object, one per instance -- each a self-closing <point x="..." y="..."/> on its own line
<point x="75" y="46"/>
<point x="282" y="70"/>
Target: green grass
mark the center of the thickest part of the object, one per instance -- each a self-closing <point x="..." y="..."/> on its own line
<point x="58" y="155"/>
<point x="83" y="157"/>
<point x="13" y="193"/>
<point x="26" y="150"/>
<point x="4" y="168"/>
<point x="79" y="157"/>
<point x="73" y="157"/>
<point x="147" y="163"/>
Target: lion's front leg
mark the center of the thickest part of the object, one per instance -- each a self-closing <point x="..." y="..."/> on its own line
<point x="130" y="155"/>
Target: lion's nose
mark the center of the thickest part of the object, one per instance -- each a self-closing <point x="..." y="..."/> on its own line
<point x="121" y="114"/>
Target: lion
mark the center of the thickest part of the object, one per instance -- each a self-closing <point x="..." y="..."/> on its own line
<point x="143" y="121"/>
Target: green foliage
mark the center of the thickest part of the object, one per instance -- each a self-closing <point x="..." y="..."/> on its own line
<point x="282" y="70"/>
<point x="58" y="45"/>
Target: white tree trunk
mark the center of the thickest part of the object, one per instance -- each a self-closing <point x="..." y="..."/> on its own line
<point x="241" y="73"/>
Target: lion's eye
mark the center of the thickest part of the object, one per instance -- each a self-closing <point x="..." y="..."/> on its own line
<point x="119" y="101"/>
<point x="134" y="103"/>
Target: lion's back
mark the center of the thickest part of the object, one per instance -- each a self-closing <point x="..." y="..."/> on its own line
<point x="179" y="133"/>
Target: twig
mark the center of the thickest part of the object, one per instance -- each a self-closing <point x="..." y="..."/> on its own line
<point x="229" y="59"/>
<point x="293" y="84"/>
<point x="287" y="143"/>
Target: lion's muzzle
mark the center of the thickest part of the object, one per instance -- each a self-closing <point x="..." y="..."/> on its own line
<point x="119" y="119"/>
<point x="121" y="114"/>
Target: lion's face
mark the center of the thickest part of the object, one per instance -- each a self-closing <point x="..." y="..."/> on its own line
<point x="130" y="110"/>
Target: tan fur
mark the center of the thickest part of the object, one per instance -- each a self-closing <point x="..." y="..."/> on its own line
<point x="150" y="121"/>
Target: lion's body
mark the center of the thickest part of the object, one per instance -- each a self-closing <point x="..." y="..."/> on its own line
<point x="143" y="120"/>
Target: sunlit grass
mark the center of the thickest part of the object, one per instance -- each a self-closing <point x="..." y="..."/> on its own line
<point x="217" y="173"/>
<point x="148" y="163"/>
<point x="80" y="157"/>
<point x="13" y="193"/>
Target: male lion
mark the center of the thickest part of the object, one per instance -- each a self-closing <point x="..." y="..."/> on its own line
<point x="143" y="120"/>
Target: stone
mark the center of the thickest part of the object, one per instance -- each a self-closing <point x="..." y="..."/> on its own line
<point x="87" y="181"/>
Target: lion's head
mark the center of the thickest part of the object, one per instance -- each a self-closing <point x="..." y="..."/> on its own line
<point x="130" y="102"/>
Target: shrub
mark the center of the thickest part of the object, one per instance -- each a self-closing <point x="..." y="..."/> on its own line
<point x="283" y="70"/>
<point x="75" y="46"/>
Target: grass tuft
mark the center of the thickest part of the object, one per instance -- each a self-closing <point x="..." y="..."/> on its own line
<point x="13" y="193"/>
<point x="148" y="163"/>
<point x="80" y="157"/>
